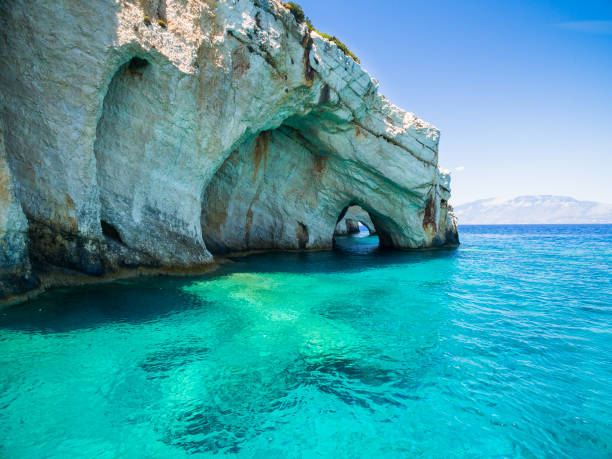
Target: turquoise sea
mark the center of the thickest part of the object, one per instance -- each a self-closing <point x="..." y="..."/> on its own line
<point x="500" y="348"/>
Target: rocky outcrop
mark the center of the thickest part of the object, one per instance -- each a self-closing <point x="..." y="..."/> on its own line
<point x="141" y="133"/>
<point x="349" y="221"/>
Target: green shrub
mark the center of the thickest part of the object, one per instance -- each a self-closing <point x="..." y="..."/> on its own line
<point x="309" y="24"/>
<point x="296" y="11"/>
<point x="147" y="20"/>
<point x="162" y="23"/>
<point x="298" y="14"/>
<point x="340" y="45"/>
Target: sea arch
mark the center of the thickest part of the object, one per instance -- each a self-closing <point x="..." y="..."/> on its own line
<point x="279" y="190"/>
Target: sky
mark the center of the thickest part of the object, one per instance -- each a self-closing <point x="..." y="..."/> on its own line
<point x="520" y="90"/>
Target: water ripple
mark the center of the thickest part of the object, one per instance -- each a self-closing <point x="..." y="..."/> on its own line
<point x="498" y="349"/>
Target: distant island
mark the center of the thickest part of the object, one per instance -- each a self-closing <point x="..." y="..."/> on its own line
<point x="533" y="209"/>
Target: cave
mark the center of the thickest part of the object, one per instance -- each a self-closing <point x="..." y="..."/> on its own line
<point x="144" y="138"/>
<point x="354" y="220"/>
<point x="264" y="197"/>
<point x="110" y="231"/>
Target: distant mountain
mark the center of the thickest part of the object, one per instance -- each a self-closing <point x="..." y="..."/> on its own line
<point x="538" y="209"/>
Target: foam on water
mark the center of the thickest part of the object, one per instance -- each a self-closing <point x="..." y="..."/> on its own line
<point x="499" y="348"/>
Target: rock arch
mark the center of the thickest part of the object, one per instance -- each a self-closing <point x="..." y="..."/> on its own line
<point x="349" y="219"/>
<point x="285" y="188"/>
<point x="382" y="219"/>
<point x="268" y="194"/>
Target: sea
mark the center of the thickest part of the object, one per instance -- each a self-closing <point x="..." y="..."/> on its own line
<point x="499" y="348"/>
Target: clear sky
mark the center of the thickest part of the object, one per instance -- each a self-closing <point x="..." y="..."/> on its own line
<point x="521" y="90"/>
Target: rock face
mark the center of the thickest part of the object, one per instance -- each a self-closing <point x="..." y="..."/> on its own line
<point x="150" y="133"/>
<point x="15" y="270"/>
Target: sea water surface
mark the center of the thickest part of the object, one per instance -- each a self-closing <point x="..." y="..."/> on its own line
<point x="500" y="348"/>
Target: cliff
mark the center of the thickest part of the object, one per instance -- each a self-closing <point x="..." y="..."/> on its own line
<point x="142" y="133"/>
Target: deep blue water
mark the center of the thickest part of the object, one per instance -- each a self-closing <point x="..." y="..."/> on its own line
<point x="500" y="348"/>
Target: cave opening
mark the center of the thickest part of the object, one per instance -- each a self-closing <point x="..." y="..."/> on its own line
<point x="258" y="199"/>
<point x="137" y="64"/>
<point x="354" y="222"/>
<point x="111" y="232"/>
<point x="363" y="229"/>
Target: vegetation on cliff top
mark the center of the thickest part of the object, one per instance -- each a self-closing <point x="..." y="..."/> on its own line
<point x="298" y="15"/>
<point x="296" y="11"/>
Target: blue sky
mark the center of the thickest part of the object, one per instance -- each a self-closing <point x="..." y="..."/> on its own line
<point x="521" y="90"/>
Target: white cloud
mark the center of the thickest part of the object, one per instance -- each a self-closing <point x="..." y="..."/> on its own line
<point x="460" y="168"/>
<point x="596" y="27"/>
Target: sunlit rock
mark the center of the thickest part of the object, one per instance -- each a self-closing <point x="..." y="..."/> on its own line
<point x="144" y="133"/>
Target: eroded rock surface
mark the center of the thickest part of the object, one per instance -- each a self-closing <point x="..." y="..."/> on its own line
<point x="144" y="133"/>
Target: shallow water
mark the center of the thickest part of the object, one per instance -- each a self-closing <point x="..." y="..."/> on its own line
<point x="500" y="348"/>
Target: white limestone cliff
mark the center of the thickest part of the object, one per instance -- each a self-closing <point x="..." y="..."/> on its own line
<point x="139" y="133"/>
